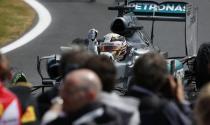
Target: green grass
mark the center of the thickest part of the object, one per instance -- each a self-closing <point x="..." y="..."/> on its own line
<point x="16" y="17"/>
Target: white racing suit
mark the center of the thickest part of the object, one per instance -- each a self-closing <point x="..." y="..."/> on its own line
<point x="93" y="46"/>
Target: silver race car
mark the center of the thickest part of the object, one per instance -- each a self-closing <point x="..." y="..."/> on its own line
<point x="128" y="40"/>
<point x="138" y="42"/>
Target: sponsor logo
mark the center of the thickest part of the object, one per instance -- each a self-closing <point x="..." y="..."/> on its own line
<point x="178" y="8"/>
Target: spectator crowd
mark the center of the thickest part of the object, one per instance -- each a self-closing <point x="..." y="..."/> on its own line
<point x="85" y="95"/>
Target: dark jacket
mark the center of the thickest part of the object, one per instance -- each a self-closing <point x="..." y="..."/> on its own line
<point x="95" y="114"/>
<point x="28" y="104"/>
<point x="157" y="111"/>
<point x="44" y="100"/>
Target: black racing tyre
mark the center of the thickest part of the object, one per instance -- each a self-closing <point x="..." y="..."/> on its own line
<point x="202" y="65"/>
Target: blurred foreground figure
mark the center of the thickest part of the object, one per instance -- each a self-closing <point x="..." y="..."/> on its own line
<point x="203" y="65"/>
<point x="22" y="89"/>
<point x="70" y="60"/>
<point x="81" y="106"/>
<point x="158" y="92"/>
<point x="104" y="67"/>
<point x="10" y="112"/>
<point x="202" y="109"/>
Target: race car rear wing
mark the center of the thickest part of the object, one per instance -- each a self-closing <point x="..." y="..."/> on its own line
<point x="150" y="10"/>
<point x="165" y="11"/>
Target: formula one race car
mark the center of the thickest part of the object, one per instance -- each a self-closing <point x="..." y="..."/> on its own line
<point x="129" y="41"/>
<point x="126" y="24"/>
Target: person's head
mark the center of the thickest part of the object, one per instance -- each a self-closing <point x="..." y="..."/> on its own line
<point x="81" y="87"/>
<point x="4" y="67"/>
<point x="202" y="65"/>
<point x="105" y="69"/>
<point x="73" y="59"/>
<point x="92" y="34"/>
<point x="150" y="71"/>
<point x="202" y="109"/>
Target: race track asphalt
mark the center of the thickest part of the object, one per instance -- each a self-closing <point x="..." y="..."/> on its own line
<point x="73" y="18"/>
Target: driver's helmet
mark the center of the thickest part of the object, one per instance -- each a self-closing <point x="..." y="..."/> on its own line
<point x="114" y="44"/>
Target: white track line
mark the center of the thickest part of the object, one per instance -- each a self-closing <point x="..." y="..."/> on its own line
<point x="44" y="20"/>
